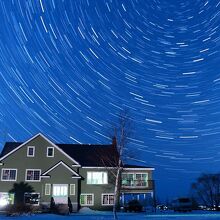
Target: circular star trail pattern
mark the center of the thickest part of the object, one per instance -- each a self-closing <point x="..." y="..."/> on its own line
<point x="67" y="68"/>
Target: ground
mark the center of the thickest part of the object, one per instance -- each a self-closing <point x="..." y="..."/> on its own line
<point x="121" y="216"/>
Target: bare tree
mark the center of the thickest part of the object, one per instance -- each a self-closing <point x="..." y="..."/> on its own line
<point x="206" y="190"/>
<point x="122" y="132"/>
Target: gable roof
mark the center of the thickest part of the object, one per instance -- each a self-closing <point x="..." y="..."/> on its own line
<point x="75" y="174"/>
<point x="16" y="147"/>
<point x="83" y="154"/>
<point x="86" y="155"/>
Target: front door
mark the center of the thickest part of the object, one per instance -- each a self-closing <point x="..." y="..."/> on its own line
<point x="60" y="193"/>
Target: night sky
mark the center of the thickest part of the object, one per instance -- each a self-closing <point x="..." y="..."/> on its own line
<point x="68" y="67"/>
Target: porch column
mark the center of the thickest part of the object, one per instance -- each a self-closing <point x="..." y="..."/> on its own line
<point x="152" y="194"/>
<point x="123" y="199"/>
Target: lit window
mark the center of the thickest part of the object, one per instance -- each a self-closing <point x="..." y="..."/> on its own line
<point x="9" y="175"/>
<point x="72" y="189"/>
<point x="47" y="189"/>
<point x="6" y="199"/>
<point x="32" y="175"/>
<point x="127" y="179"/>
<point x="107" y="199"/>
<point x="60" y="190"/>
<point x="30" y="151"/>
<point x="97" y="178"/>
<point x="50" y="152"/>
<point x="135" y="179"/>
<point x="32" y="198"/>
<point x="87" y="199"/>
<point x="141" y="179"/>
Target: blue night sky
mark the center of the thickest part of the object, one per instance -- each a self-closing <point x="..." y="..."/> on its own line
<point x="67" y="67"/>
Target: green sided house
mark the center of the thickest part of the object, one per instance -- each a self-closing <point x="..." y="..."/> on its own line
<point x="80" y="174"/>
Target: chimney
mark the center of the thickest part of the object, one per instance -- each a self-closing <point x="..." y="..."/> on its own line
<point x="114" y="142"/>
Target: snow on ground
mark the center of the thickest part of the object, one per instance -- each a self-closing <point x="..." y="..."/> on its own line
<point x="96" y="215"/>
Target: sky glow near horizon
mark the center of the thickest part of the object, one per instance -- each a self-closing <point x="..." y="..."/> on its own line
<point x="68" y="67"/>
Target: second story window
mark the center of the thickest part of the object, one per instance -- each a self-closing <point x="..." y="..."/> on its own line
<point x="9" y="175"/>
<point x="32" y="175"/>
<point x="50" y="152"/>
<point x="30" y="151"/>
<point x="97" y="178"/>
<point x="135" y="179"/>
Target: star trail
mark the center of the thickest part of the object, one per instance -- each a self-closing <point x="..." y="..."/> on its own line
<point x="67" y="68"/>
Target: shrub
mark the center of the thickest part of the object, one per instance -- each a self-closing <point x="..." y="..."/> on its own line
<point x="133" y="205"/>
<point x="52" y="205"/>
<point x="70" y="205"/>
<point x="62" y="209"/>
<point x="19" y="209"/>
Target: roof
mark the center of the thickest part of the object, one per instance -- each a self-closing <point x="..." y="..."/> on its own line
<point x="75" y="174"/>
<point x="130" y="166"/>
<point x="92" y="155"/>
<point x="9" y="146"/>
<point x="85" y="154"/>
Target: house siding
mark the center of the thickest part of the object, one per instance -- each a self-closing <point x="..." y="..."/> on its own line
<point x="97" y="189"/>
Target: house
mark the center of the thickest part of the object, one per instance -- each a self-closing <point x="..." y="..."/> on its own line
<point x="82" y="174"/>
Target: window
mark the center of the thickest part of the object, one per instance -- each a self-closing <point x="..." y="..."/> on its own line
<point x="60" y="190"/>
<point x="97" y="178"/>
<point x="135" y="179"/>
<point x="33" y="175"/>
<point x="87" y="199"/>
<point x="127" y="179"/>
<point x="47" y="188"/>
<point x="107" y="199"/>
<point x="9" y="175"/>
<point x="6" y="198"/>
<point x="141" y="179"/>
<point x="30" y="151"/>
<point x="50" y="152"/>
<point x="32" y="198"/>
<point x="72" y="189"/>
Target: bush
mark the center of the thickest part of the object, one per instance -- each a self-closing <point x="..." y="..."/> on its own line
<point x="19" y="209"/>
<point x="133" y="206"/>
<point x="52" y="205"/>
<point x="70" y="205"/>
<point x="62" y="209"/>
<point x="44" y="208"/>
